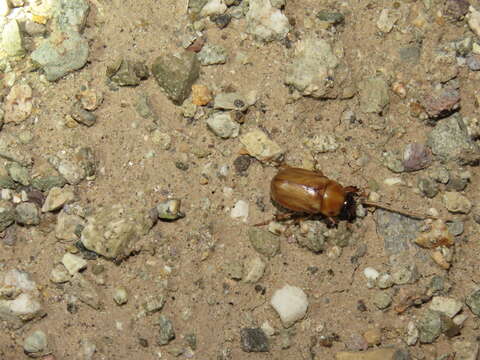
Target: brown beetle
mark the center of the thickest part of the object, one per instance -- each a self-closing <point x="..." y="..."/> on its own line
<point x="311" y="192"/>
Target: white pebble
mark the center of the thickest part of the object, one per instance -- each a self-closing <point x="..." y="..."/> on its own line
<point x="73" y="263"/>
<point x="370" y="273"/>
<point x="6" y="194"/>
<point x="240" y="210"/>
<point x="268" y="329"/>
<point x="291" y="303"/>
<point x="393" y="181"/>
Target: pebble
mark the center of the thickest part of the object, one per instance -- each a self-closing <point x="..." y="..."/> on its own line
<point x="264" y="242"/>
<point x="258" y="145"/>
<point x="473" y="19"/>
<point x="82" y="116"/>
<point x="18" y="104"/>
<point x="268" y="329"/>
<point x="222" y="125"/>
<point x="373" y="337"/>
<point x="90" y="99"/>
<point x="68" y="226"/>
<point x="230" y="101"/>
<point x="124" y="72"/>
<point x="170" y="210"/>
<point x="392" y="161"/>
<point x="242" y="163"/>
<point x="429" y="327"/>
<point x="18" y="173"/>
<point x="456" y="202"/>
<point x="221" y="21"/>
<point x="473" y="62"/>
<point x="240" y="211"/>
<point x="265" y="22"/>
<point x="397" y="230"/>
<point x="12" y="39"/>
<point x="213" y="7"/>
<point x="446" y="305"/>
<point x="253" y="270"/>
<point x="59" y="275"/>
<point x="382" y="300"/>
<point x="35" y="343"/>
<point x="162" y="139"/>
<point x="384" y="281"/>
<point x="387" y="20"/>
<point x="416" y="157"/>
<point x="441" y="103"/>
<point x="27" y="214"/>
<point x="332" y="18"/>
<point x="438" y="235"/>
<point x="212" y="55"/>
<point x="428" y="187"/>
<point x="176" y="75"/>
<point x="373" y="95"/>
<point x="372" y="275"/>
<point x="201" y="95"/>
<point x="412" y="333"/>
<point x="73" y="263"/>
<point x="254" y="340"/>
<point x="234" y="270"/>
<point x="57" y="198"/>
<point x="154" y="303"/>
<point x="166" y="331"/>
<point x="4" y="8"/>
<point x="291" y="304"/>
<point x="473" y="302"/>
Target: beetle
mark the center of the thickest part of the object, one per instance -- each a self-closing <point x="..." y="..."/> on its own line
<point x="312" y="193"/>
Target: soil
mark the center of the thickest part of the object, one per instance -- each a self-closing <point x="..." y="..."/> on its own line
<point x="201" y="298"/>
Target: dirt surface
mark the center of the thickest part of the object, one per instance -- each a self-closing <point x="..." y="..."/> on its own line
<point x="202" y="299"/>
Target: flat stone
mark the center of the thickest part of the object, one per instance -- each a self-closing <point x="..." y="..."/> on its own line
<point x="230" y="101"/>
<point x="57" y="198"/>
<point x="397" y="230"/>
<point x="18" y="104"/>
<point x="73" y="263"/>
<point x="176" y="75"/>
<point x="166" y="332"/>
<point x="7" y="215"/>
<point x="291" y="304"/>
<point x="473" y="302"/>
<point x="254" y="270"/>
<point x="373" y="95"/>
<point x="466" y="350"/>
<point x="260" y="146"/>
<point x="264" y="242"/>
<point x="212" y="55"/>
<point x="254" y="340"/>
<point x="27" y="214"/>
<point x="36" y="343"/>
<point x="456" y="202"/>
<point x="429" y="326"/>
<point x="222" y="125"/>
<point x="71" y="15"/>
<point x="446" y="305"/>
<point x="18" y="173"/>
<point x="12" y="40"/>
<point x="86" y="291"/>
<point x="68" y="226"/>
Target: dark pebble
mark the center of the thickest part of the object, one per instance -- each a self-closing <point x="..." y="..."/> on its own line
<point x="457" y="183"/>
<point x="36" y="196"/>
<point x="253" y="340"/>
<point x="86" y="254"/>
<point x="181" y="166"/>
<point x="361" y="306"/>
<point x="473" y="62"/>
<point x="333" y="18"/>
<point x="82" y="116"/>
<point x="442" y="104"/>
<point x="221" y="21"/>
<point x="242" y="163"/>
<point x="143" y="342"/>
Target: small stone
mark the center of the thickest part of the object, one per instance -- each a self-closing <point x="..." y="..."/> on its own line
<point x="162" y="139"/>
<point x="258" y="145"/>
<point x="465" y="350"/>
<point x="441" y="104"/>
<point x="384" y="281"/>
<point x="125" y="72"/>
<point x="59" y="275"/>
<point x="373" y="337"/>
<point x="410" y="54"/>
<point x="403" y="271"/>
<point x="76" y="165"/>
<point x="396" y="230"/>
<point x="456" y="9"/>
<point x="254" y="340"/>
<point x="373" y="95"/>
<point x="416" y="157"/>
<point x="322" y="143"/>
<point x="392" y="162"/>
<point x="18" y="104"/>
<point x="473" y="62"/>
<point x="201" y="95"/>
<point x="73" y="263"/>
<point x="57" y="198"/>
<point x="69" y="227"/>
<point x="290" y="303"/>
<point x="264" y="242"/>
<point x="90" y="99"/>
<point x="18" y="173"/>
<point x="176" y="75"/>
<point x="473" y="302"/>
<point x="313" y="237"/>
<point x="428" y="187"/>
<point x="456" y="203"/>
<point x="4" y="8"/>
<point x="455" y="228"/>
<point x="221" y="21"/>
<point x="446" y="305"/>
<point x="372" y="275"/>
<point x="240" y="211"/>
<point x="222" y="125"/>
<point x="333" y="18"/>
<point x="7" y="215"/>
<point x="265" y="22"/>
<point x="212" y="55"/>
<point x="253" y="270"/>
<point x="438" y="235"/>
<point x="382" y="300"/>
<point x="82" y="116"/>
<point x="166" y="332"/>
<point x="120" y="295"/>
<point x="429" y="327"/>
<point x="170" y="210"/>
<point x="473" y="19"/>
<point x="45" y="184"/>
<point x="154" y="303"/>
<point x="12" y="39"/>
<point x="234" y="270"/>
<point x="442" y="258"/>
<point x="27" y="214"/>
<point x="36" y="343"/>
<point x="387" y="20"/>
<point x="230" y="101"/>
<point x="412" y="334"/>
<point x="242" y="163"/>
<point x="213" y="7"/>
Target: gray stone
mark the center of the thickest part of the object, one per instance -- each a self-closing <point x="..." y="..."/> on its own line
<point x="230" y="101"/>
<point x="382" y="300"/>
<point x="385" y="281"/>
<point x="75" y="165"/>
<point x="311" y="69"/>
<point x="120" y="295"/>
<point x="340" y="236"/>
<point x="195" y="6"/>
<point x="12" y="39"/>
<point x="176" y="75"/>
<point x="404" y="270"/>
<point x="450" y="141"/>
<point x="222" y="125"/>
<point x="428" y="187"/>
<point x="169" y="210"/>
<point x="254" y="340"/>
<point x="59" y="275"/>
<point x="7" y="215"/>
<point x="333" y="18"/>
<point x="473" y="302"/>
<point x="234" y="270"/>
<point x="85" y="291"/>
<point x="82" y="116"/>
<point x="125" y="72"/>
<point x="373" y="95"/>
<point x="114" y="231"/>
<point x="68" y="226"/>
<point x="456" y="228"/>
<point x="440" y="174"/>
<point x="35" y="343"/>
<point x="166" y="332"/>
<point x="416" y="157"/>
<point x="446" y="305"/>
<point x="12" y="150"/>
<point x="6" y="182"/>
<point x="314" y="239"/>
<point x="264" y="242"/>
<point x="71" y="15"/>
<point x="18" y="173"/>
<point x="397" y="230"/>
<point x="265" y="22"/>
<point x="154" y="303"/>
<point x="27" y="214"/>
<point x="212" y="55"/>
<point x="392" y="161"/>
<point x="61" y="54"/>
<point x="57" y="198"/>
<point x="410" y="54"/>
<point x="429" y="326"/>
<point x="47" y="183"/>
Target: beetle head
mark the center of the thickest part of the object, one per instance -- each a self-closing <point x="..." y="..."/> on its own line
<point x="349" y="207"/>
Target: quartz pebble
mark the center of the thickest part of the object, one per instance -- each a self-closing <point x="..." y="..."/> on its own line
<point x="291" y="303"/>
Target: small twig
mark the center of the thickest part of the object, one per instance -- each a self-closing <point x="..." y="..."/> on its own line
<point x="411" y="214"/>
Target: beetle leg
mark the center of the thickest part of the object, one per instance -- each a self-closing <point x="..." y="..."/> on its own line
<point x="352" y="189"/>
<point x="331" y="222"/>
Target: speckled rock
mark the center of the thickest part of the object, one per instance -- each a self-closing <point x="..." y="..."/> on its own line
<point x="12" y="39"/>
<point x="212" y="54"/>
<point x="260" y="146"/>
<point x="166" y="332"/>
<point x="125" y="72"/>
<point x="265" y="22"/>
<point x="12" y="150"/>
<point x="57" y="198"/>
<point x="456" y="202"/>
<point x="264" y="242"/>
<point x="71" y="15"/>
<point x="27" y="213"/>
<point x="75" y="165"/>
<point x="36" y="343"/>
<point x="429" y="326"/>
<point x="68" y="226"/>
<point x="7" y="214"/>
<point x="473" y="302"/>
<point x="396" y="230"/>
<point x="254" y="340"/>
<point x="85" y="291"/>
<point x="222" y="125"/>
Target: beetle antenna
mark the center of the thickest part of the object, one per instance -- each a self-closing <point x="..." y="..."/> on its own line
<point x="411" y="214"/>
